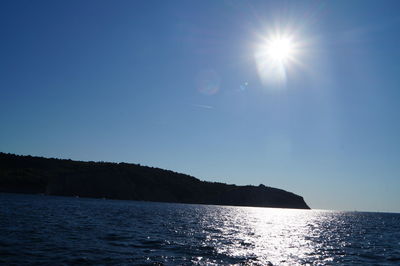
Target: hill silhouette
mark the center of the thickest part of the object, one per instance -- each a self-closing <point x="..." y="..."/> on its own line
<point x="28" y="174"/>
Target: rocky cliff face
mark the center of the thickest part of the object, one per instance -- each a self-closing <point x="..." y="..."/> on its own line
<point x="27" y="174"/>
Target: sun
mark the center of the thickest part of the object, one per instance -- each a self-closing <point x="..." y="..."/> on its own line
<point x="280" y="49"/>
<point x="275" y="55"/>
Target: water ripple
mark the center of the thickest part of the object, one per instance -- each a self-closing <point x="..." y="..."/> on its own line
<point x="42" y="230"/>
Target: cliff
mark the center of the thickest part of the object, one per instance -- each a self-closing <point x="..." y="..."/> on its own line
<point x="27" y="174"/>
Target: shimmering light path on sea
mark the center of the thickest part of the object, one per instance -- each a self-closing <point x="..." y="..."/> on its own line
<point x="45" y="230"/>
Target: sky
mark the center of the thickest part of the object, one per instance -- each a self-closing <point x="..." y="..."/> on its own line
<point x="186" y="86"/>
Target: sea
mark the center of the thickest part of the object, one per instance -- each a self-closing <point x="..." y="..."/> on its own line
<point x="53" y="230"/>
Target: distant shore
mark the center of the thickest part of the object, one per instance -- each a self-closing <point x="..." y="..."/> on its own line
<point x="49" y="176"/>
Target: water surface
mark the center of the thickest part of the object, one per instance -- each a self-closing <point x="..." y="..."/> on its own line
<point x="51" y="230"/>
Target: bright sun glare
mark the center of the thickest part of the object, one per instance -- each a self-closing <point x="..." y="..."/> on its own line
<point x="280" y="49"/>
<point x="274" y="56"/>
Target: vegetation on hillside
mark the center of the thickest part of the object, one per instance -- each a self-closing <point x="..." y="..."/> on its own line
<point x="28" y="174"/>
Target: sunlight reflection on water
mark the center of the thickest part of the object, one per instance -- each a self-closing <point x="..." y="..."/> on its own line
<point x="44" y="229"/>
<point x="267" y="235"/>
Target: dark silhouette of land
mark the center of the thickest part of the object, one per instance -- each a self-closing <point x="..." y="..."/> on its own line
<point x="28" y="174"/>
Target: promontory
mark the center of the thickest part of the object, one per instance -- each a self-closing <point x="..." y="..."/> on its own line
<point x="50" y="176"/>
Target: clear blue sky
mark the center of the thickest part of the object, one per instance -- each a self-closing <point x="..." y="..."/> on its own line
<point x="175" y="84"/>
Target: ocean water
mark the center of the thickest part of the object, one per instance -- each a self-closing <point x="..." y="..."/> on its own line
<point x="47" y="230"/>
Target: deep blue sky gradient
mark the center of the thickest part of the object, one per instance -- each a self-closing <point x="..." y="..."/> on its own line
<point x="127" y="81"/>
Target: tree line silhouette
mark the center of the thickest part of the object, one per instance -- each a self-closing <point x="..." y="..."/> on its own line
<point x="51" y="176"/>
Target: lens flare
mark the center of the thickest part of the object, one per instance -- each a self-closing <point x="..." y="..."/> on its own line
<point x="208" y="82"/>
